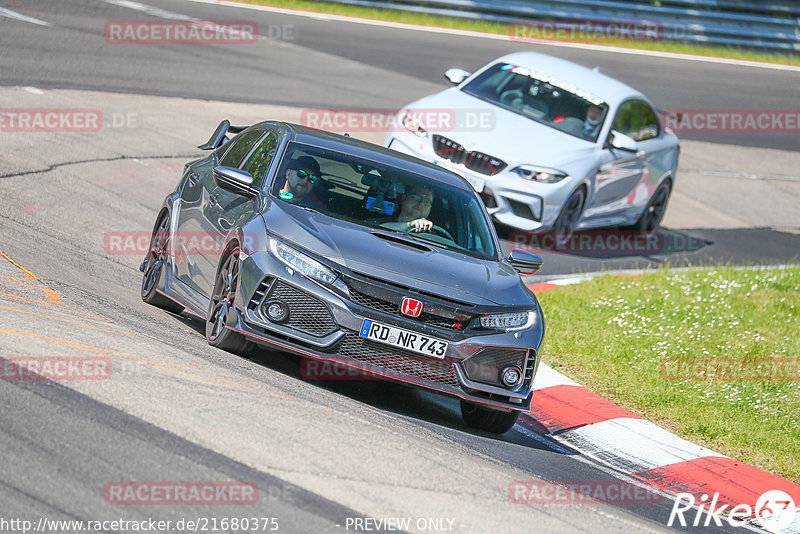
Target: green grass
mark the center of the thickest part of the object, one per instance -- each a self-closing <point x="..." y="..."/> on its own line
<point x="613" y="334"/>
<point x="391" y="15"/>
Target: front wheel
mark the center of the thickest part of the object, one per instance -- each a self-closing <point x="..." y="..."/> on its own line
<point x="650" y="219"/>
<point x="488" y="419"/>
<point x="570" y="215"/>
<point x="221" y="307"/>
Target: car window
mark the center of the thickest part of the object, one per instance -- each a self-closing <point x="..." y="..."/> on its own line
<point x="239" y="146"/>
<point x="636" y="119"/>
<point x="541" y="98"/>
<point x="260" y="157"/>
<point x="375" y="195"/>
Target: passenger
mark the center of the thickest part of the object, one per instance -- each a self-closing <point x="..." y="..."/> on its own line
<point x="298" y="188"/>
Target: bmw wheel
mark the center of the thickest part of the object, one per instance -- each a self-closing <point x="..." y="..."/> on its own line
<point x="654" y="212"/>
<point x="570" y="215"/>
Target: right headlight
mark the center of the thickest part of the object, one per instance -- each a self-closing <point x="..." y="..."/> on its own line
<point x="543" y="175"/>
<point x="508" y="321"/>
<point x="412" y="124"/>
<point x="301" y="262"/>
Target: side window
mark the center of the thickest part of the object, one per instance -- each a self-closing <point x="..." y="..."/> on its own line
<point x="647" y="125"/>
<point x="259" y="159"/>
<point x="241" y="145"/>
<point x="637" y="120"/>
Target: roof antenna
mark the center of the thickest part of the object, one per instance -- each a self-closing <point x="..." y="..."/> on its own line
<point x="346" y="134"/>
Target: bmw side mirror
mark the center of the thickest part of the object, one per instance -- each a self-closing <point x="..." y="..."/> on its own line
<point x="524" y="262"/>
<point x="235" y="181"/>
<point x="456" y="76"/>
<point x="623" y="142"/>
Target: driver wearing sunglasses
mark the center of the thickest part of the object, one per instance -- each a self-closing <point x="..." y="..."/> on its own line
<point x="416" y="206"/>
<point x="301" y="175"/>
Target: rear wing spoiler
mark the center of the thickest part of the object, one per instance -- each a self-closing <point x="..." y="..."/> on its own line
<point x="218" y="138"/>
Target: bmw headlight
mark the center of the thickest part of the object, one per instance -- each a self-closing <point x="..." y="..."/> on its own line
<point x="508" y="321"/>
<point x="543" y="175"/>
<point x="412" y="124"/>
<point x="301" y="262"/>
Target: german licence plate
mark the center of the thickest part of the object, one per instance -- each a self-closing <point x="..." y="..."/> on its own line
<point x="397" y="337"/>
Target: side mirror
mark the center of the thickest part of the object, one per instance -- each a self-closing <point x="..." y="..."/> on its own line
<point x="235" y="181"/>
<point x="525" y="262"/>
<point x="623" y="142"/>
<point x="456" y="76"/>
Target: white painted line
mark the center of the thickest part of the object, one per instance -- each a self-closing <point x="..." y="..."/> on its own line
<point x="632" y="445"/>
<point x="499" y="37"/>
<point x="17" y="16"/>
<point x="547" y="377"/>
<point x="150" y="10"/>
<point x="34" y="90"/>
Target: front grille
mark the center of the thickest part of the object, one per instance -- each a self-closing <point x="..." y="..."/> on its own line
<point x="383" y="357"/>
<point x="487" y="364"/>
<point x="474" y="161"/>
<point x="391" y="308"/>
<point x="306" y="313"/>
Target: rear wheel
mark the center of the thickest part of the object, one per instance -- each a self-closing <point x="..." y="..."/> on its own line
<point x="488" y="419"/>
<point x="221" y="307"/>
<point x="570" y="215"/>
<point x="155" y="265"/>
<point x="654" y="212"/>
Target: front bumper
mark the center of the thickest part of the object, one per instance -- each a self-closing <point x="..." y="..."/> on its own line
<point x="510" y="199"/>
<point x="324" y="324"/>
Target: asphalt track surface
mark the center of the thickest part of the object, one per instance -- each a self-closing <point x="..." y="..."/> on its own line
<point x="175" y="409"/>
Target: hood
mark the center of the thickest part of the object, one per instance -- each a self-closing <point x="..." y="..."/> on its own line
<point x="358" y="248"/>
<point x="503" y="134"/>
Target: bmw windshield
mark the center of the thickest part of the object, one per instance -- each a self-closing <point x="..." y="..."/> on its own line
<point x="542" y="98"/>
<point x="383" y="197"/>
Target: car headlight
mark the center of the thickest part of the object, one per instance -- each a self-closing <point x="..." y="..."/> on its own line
<point x="413" y="124"/>
<point x="543" y="175"/>
<point x="300" y="262"/>
<point x="508" y="321"/>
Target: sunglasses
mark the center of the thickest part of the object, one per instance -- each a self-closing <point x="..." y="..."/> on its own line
<point x="422" y="200"/>
<point x="302" y="173"/>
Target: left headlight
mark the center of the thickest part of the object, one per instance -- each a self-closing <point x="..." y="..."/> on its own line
<point x="301" y="262"/>
<point x="412" y="124"/>
<point x="508" y="321"/>
<point x="543" y="175"/>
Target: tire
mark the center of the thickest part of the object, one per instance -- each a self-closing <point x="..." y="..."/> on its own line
<point x="221" y="306"/>
<point x="569" y="216"/>
<point x="154" y="266"/>
<point x="650" y="219"/>
<point x="487" y="419"/>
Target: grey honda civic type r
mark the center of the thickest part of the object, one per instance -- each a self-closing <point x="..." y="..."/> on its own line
<point x="346" y="252"/>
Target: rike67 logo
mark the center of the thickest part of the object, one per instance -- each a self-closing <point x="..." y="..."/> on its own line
<point x="774" y="511"/>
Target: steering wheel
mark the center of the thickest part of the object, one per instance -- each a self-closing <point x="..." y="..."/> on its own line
<point x="438" y="230"/>
<point x="512" y="98"/>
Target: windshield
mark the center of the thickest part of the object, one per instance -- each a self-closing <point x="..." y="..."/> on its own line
<point x="374" y="195"/>
<point x="541" y="98"/>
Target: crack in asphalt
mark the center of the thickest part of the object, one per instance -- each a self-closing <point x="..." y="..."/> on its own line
<point x="55" y="166"/>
